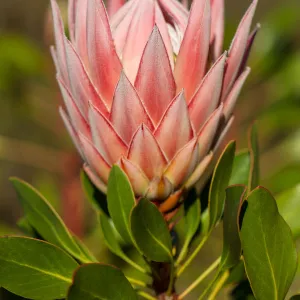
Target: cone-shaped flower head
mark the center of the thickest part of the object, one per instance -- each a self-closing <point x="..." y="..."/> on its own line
<point x="149" y="88"/>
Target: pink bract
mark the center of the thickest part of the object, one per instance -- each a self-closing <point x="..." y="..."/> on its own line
<point x="149" y="87"/>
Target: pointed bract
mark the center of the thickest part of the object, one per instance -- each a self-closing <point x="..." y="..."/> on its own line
<point x="183" y="164"/>
<point x="217" y="27"/>
<point x="94" y="159"/>
<point x="104" y="63"/>
<point x="95" y="179"/>
<point x="250" y="42"/>
<point x="137" y="177"/>
<point x="76" y="117"/>
<point x="146" y="153"/>
<point x="155" y="83"/>
<point x="71" y="130"/>
<point x="59" y="40"/>
<point x="208" y="131"/>
<point x="141" y="25"/>
<point x="237" y="49"/>
<point x="207" y="97"/>
<point x="82" y="88"/>
<point x="109" y="144"/>
<point x="231" y="99"/>
<point x="114" y="6"/>
<point x="192" y="58"/>
<point x="119" y="82"/>
<point x="128" y="112"/>
<point x="176" y="119"/>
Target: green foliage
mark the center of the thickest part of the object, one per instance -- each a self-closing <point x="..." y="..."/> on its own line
<point x="42" y="217"/>
<point x="93" y="195"/>
<point x="288" y="202"/>
<point x="150" y="232"/>
<point x="220" y="181"/>
<point x="110" y="235"/>
<point x="112" y="241"/>
<point x="35" y="269"/>
<point x="96" y="281"/>
<point x="254" y="153"/>
<point x="120" y="200"/>
<point x="231" y="240"/>
<point x="192" y="219"/>
<point x="269" y="252"/>
<point x="241" y="169"/>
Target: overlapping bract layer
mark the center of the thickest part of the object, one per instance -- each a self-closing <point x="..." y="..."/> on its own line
<point x="149" y="88"/>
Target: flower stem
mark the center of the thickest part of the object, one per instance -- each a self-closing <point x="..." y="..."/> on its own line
<point x="218" y="286"/>
<point x="182" y="253"/>
<point x="192" y="256"/>
<point x="200" y="278"/>
<point x="136" y="282"/>
<point x="146" y="295"/>
<point x="172" y="278"/>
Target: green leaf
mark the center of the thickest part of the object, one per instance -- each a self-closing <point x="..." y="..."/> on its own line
<point x="192" y="218"/>
<point x="111" y="240"/>
<point x="270" y="255"/>
<point x="96" y="281"/>
<point x="35" y="269"/>
<point x="110" y="237"/>
<point x="254" y="154"/>
<point x="43" y="218"/>
<point x="93" y="195"/>
<point x="288" y="205"/>
<point x="241" y="169"/>
<point x="231" y="239"/>
<point x="219" y="183"/>
<point x="295" y="297"/>
<point x="150" y="232"/>
<point x="121" y="200"/>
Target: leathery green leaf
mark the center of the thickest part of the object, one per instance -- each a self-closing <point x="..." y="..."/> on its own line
<point x="270" y="255"/>
<point x="241" y="168"/>
<point x="219" y="183"/>
<point x="254" y="174"/>
<point x="93" y="195"/>
<point x="150" y="232"/>
<point x="192" y="218"/>
<point x="121" y="200"/>
<point x="97" y="281"/>
<point x="231" y="240"/>
<point x="43" y="218"/>
<point x="35" y="269"/>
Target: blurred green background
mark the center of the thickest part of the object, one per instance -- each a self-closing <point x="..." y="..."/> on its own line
<point x="35" y="146"/>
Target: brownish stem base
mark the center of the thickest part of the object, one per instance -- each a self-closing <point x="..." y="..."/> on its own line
<point x="161" y="281"/>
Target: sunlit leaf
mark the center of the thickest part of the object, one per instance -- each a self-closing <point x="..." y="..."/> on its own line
<point x="150" y="232"/>
<point x="35" y="269"/>
<point x="268" y="248"/>
<point x="96" y="281"/>
<point x="121" y="200"/>
<point x="241" y="169"/>
<point x="254" y="153"/>
<point x="231" y="240"/>
<point x="43" y="218"/>
<point x="220" y="181"/>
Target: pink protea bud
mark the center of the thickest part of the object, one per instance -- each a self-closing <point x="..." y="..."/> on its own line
<point x="149" y="89"/>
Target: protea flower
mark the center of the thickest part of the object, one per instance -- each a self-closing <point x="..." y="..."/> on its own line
<point x="149" y="89"/>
